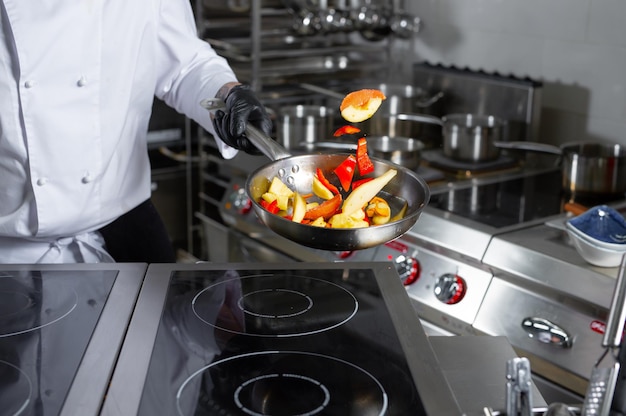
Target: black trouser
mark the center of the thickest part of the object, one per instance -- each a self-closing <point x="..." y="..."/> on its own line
<point x="139" y="236"/>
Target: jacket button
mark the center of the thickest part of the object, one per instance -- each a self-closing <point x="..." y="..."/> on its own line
<point x="29" y="84"/>
<point x="42" y="181"/>
<point x="81" y="82"/>
<point x="87" y="178"/>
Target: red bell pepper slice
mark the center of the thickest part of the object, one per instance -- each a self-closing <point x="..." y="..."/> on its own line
<point x="360" y="182"/>
<point x="325" y="182"/>
<point x="346" y="130"/>
<point x="345" y="172"/>
<point x="271" y="207"/>
<point x="325" y="210"/>
<point x="363" y="160"/>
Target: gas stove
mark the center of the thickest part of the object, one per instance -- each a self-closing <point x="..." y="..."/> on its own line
<point x="279" y="339"/>
<point x="60" y="331"/>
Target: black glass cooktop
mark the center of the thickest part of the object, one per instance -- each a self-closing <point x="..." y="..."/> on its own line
<point x="277" y="342"/>
<point x="513" y="201"/>
<point x="46" y="321"/>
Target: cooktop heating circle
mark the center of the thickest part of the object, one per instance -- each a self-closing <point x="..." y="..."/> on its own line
<point x="276" y="305"/>
<point x="285" y="383"/>
<point x="300" y="302"/>
<point x="23" y="308"/>
<point x="16" y="395"/>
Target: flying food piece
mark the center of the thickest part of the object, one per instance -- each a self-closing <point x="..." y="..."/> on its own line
<point x="360" y="105"/>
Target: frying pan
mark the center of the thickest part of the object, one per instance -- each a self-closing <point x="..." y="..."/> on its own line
<point x="406" y="191"/>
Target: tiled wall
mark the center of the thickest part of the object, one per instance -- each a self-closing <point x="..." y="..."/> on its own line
<point x="577" y="48"/>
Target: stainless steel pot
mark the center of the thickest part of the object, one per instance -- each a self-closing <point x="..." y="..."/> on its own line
<point x="594" y="168"/>
<point x="303" y="123"/>
<point x="403" y="99"/>
<point x="471" y="137"/>
<point x="405" y="190"/>
<point x="588" y="168"/>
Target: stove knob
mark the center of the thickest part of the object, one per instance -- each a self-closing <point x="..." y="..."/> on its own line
<point x="408" y="268"/>
<point x="450" y="288"/>
<point x="240" y="201"/>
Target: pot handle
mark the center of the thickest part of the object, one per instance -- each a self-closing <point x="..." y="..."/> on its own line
<point x="532" y="146"/>
<point x="322" y="90"/>
<point x="422" y="118"/>
<point x="427" y="102"/>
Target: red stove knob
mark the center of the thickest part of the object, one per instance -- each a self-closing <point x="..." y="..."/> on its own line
<point x="408" y="268"/>
<point x="247" y="207"/>
<point x="450" y="288"/>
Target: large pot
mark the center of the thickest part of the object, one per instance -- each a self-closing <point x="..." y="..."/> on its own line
<point x="472" y="137"/>
<point x="404" y="99"/>
<point x="303" y="124"/>
<point x="594" y="168"/>
<point x="476" y="138"/>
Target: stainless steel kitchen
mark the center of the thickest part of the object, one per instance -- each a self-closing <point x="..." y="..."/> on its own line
<point x="496" y="286"/>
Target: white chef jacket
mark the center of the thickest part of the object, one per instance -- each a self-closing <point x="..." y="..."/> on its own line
<point x="77" y="81"/>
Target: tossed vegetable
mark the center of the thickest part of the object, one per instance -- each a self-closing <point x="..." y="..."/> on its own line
<point x="299" y="208"/>
<point x="360" y="105"/>
<point x="320" y="175"/>
<point x="345" y="172"/>
<point x="347" y="129"/>
<point x="360" y="196"/>
<point x="324" y="210"/>
<point x="362" y="159"/>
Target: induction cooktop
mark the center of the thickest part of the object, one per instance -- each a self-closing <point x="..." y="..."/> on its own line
<point x="61" y="327"/>
<point x="273" y="339"/>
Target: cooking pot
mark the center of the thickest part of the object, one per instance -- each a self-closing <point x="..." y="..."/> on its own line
<point x="303" y="123"/>
<point x="404" y="151"/>
<point x="588" y="168"/>
<point x="476" y="138"/>
<point x="594" y="168"/>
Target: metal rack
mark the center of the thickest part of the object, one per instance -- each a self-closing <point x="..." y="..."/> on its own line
<point x="273" y="43"/>
<point x="277" y="46"/>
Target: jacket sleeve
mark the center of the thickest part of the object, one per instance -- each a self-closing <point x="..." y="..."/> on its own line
<point x="188" y="69"/>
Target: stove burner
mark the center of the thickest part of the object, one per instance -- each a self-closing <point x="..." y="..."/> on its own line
<point x="286" y="383"/>
<point x="298" y="303"/>
<point x="279" y="305"/>
<point x="15" y="389"/>
<point x="23" y="308"/>
<point x="312" y="396"/>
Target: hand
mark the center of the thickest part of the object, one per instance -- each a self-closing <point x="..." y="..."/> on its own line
<point x="242" y="107"/>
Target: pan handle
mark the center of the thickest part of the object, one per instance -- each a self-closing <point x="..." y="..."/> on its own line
<point x="265" y="144"/>
<point x="532" y="146"/>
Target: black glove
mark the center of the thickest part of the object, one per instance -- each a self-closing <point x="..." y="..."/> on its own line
<point x="242" y="107"/>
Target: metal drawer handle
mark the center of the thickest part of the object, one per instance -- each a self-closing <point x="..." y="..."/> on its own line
<point x="547" y="332"/>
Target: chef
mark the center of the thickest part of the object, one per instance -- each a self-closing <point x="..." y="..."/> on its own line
<point x="77" y="81"/>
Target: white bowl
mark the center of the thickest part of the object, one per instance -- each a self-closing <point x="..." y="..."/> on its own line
<point x="601" y="225"/>
<point x="593" y="241"/>
<point x="595" y="254"/>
